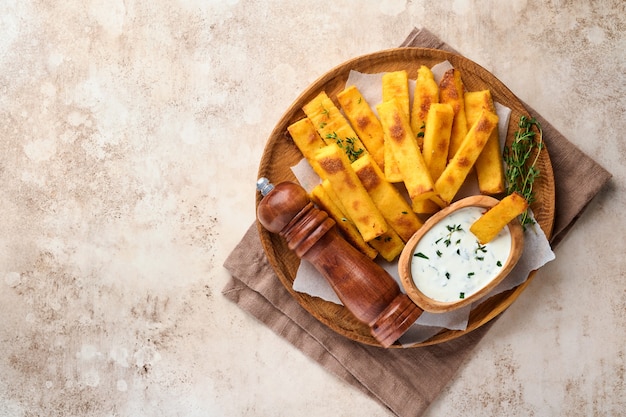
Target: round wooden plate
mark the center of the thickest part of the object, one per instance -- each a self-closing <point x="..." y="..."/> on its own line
<point x="281" y="154"/>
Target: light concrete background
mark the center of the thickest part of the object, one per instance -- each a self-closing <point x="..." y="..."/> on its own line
<point x="130" y="136"/>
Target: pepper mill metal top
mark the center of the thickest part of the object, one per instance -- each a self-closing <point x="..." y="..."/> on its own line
<point x="264" y="186"/>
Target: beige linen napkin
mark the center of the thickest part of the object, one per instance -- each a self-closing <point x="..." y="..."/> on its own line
<point x="404" y="380"/>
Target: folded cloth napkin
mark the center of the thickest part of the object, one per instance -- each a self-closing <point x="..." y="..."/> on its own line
<point x="394" y="375"/>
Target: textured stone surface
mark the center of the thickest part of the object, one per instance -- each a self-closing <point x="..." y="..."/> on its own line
<point x="130" y="138"/>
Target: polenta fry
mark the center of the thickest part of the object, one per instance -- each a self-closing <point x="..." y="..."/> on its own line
<point x="394" y="208"/>
<point x="354" y="198"/>
<point x="425" y="94"/>
<point x="460" y="165"/>
<point x="489" y="165"/>
<point x="487" y="227"/>
<point x="451" y="91"/>
<point x="364" y="121"/>
<point x="415" y="175"/>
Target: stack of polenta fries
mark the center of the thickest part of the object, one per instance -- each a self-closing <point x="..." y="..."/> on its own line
<point x="425" y="149"/>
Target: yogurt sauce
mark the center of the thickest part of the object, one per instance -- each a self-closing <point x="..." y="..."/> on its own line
<point x="449" y="264"/>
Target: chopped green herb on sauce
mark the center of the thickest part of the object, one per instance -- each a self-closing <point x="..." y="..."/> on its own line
<point x="453" y="262"/>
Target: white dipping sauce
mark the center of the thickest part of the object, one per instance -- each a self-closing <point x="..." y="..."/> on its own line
<point x="449" y="264"/>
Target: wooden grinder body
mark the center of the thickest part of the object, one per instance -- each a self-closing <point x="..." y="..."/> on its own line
<point x="363" y="286"/>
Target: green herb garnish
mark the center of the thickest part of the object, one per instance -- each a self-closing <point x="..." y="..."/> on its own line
<point x="481" y="249"/>
<point x="451" y="230"/>
<point x="521" y="159"/>
<point x="351" y="151"/>
<point x="347" y="145"/>
<point x="420" y="134"/>
<point x="420" y="255"/>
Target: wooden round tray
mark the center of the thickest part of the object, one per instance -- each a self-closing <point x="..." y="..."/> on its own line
<point x="281" y="154"/>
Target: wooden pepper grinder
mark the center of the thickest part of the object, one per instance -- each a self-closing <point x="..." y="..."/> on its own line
<point x="363" y="286"/>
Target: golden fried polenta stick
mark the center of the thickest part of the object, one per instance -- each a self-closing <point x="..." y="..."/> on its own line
<point x="332" y="126"/>
<point x="435" y="150"/>
<point x="391" y="168"/>
<point x="394" y="208"/>
<point x="489" y="165"/>
<point x="344" y="224"/>
<point x="307" y="139"/>
<point x="460" y="165"/>
<point x="354" y="198"/>
<point x="389" y="245"/>
<point x="437" y="138"/>
<point x="364" y="121"/>
<point x="415" y="175"/>
<point x="426" y="93"/>
<point x="451" y="91"/>
<point x="489" y="224"/>
<point x="396" y="86"/>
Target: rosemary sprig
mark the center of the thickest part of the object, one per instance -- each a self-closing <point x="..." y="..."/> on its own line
<point x="521" y="159"/>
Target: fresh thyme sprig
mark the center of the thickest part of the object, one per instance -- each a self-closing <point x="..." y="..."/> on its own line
<point x="451" y="230"/>
<point x="521" y="159"/>
<point x="347" y="145"/>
